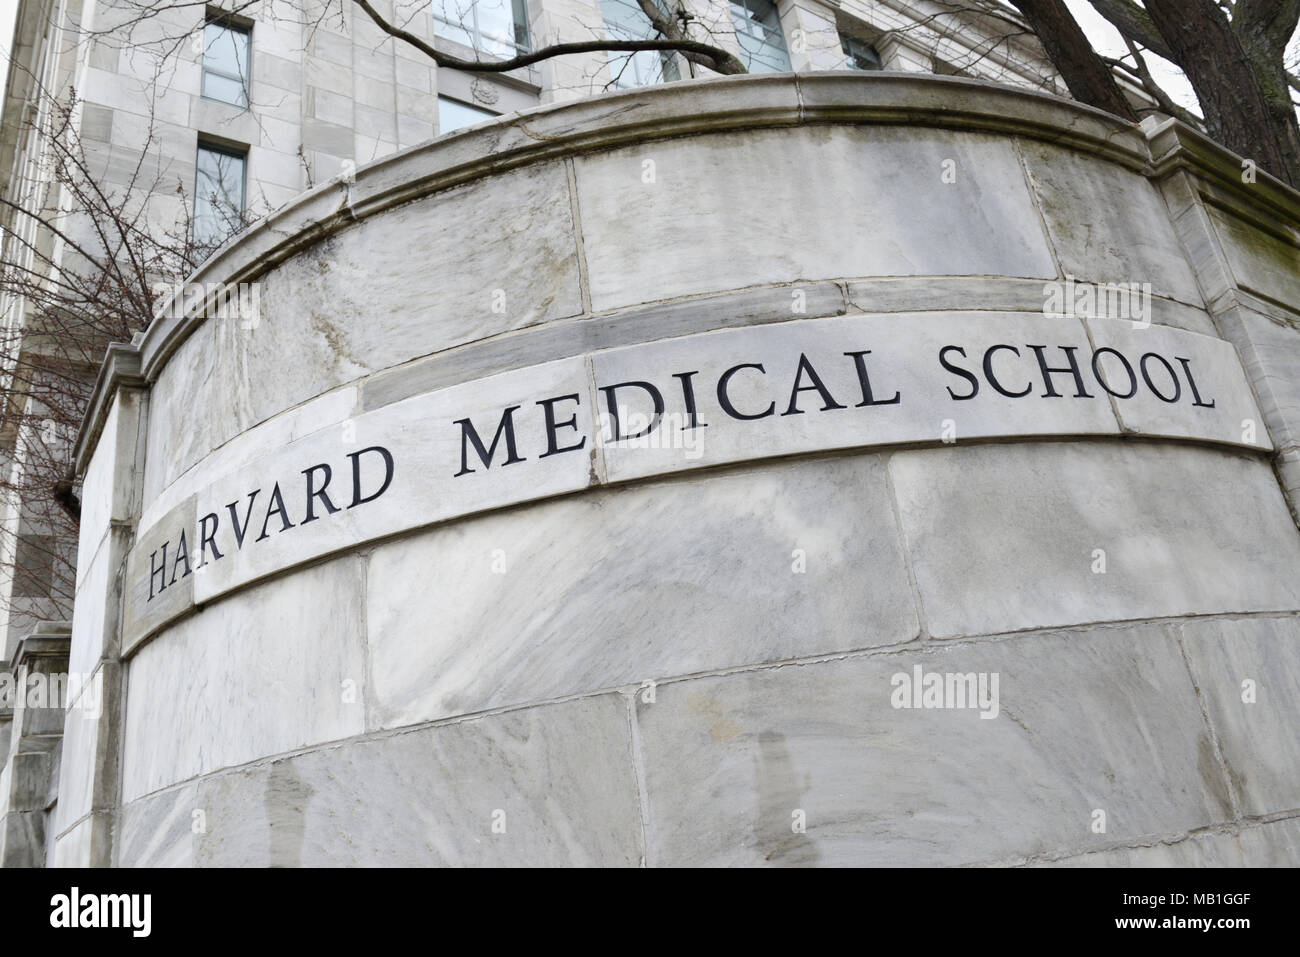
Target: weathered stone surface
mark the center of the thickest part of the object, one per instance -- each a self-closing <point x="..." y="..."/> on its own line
<point x="802" y="558"/>
<point x="110" y="487"/>
<point x="1273" y="844"/>
<point x="244" y="450"/>
<point x="22" y="836"/>
<point x="994" y="294"/>
<point x="624" y="327"/>
<point x="1261" y="262"/>
<point x="177" y="437"/>
<point x="159" y="830"/>
<point x="1107" y="224"/>
<point x="716" y="398"/>
<point x="428" y="452"/>
<point x="354" y="304"/>
<point x="155" y="588"/>
<point x="282" y="669"/>
<point x="88" y="844"/>
<point x="1005" y="537"/>
<point x="904" y="221"/>
<point x="1259" y="741"/>
<point x="1106" y="719"/>
<point x="1270" y="351"/>
<point x="281" y="714"/>
<point x="532" y="765"/>
<point x="88" y="772"/>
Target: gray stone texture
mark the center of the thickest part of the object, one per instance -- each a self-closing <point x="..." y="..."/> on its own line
<point x="802" y="558"/>
<point x="378" y="706"/>
<point x="1106" y="719"/>
<point x="1004" y="537"/>
<point x="530" y="772"/>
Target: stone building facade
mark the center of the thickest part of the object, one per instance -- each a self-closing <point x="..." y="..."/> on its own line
<point x="836" y="466"/>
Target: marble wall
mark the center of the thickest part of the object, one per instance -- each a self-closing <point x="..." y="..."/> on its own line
<point x="691" y="653"/>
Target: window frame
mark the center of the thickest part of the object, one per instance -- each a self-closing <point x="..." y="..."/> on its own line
<point x="476" y="35"/>
<point x="848" y="40"/>
<point x="490" y="114"/>
<point x="221" y="149"/>
<point x="233" y="25"/>
<point x="773" y="29"/>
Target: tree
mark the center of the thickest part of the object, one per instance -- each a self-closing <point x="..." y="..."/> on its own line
<point x="1233" y="54"/>
<point x="81" y="265"/>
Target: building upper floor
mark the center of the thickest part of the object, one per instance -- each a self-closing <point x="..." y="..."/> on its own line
<point x="238" y="107"/>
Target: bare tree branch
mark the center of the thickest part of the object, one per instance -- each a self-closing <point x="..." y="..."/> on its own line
<point x="713" y="57"/>
<point x="1133" y="23"/>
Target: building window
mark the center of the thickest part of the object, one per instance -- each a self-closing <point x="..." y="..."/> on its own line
<point x="859" y="54"/>
<point x="218" y="193"/>
<point x="453" y="114"/>
<point x="498" y="28"/>
<point x="226" y="49"/>
<point x="758" y="30"/>
<point x="625" y="20"/>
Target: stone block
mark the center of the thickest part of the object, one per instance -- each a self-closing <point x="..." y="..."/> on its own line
<point x="280" y="671"/>
<point x="755" y="553"/>
<point x="1006" y="537"/>
<point x="1104" y="720"/>
<point x="1258" y="736"/>
<point x="1107" y="223"/>
<point x="905" y="220"/>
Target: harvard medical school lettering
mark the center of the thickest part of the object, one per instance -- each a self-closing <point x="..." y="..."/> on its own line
<point x="314" y="505"/>
<point x="805" y="389"/>
<point x="807" y="385"/>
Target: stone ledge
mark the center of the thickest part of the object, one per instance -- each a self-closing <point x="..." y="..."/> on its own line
<point x="120" y="369"/>
<point x="617" y="119"/>
<point x="50" y="639"/>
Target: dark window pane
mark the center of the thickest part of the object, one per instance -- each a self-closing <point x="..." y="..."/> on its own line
<point x="218" y="195"/>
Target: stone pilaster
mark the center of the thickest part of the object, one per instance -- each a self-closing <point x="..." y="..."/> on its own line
<point x="39" y="671"/>
<point x="811" y="35"/>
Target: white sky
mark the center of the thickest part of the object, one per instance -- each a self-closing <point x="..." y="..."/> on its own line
<point x="1103" y="36"/>
<point x="1107" y="41"/>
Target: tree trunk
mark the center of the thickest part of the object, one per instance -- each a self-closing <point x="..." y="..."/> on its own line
<point x="1264" y="29"/>
<point x="1237" y="114"/>
<point x="1088" y="78"/>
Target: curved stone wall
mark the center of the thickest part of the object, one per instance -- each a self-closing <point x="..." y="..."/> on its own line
<point x="399" y="582"/>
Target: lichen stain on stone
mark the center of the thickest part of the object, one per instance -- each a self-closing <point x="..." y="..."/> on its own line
<point x="780" y="796"/>
<point x="334" y="340"/>
<point x="721" y="728"/>
<point x="1207" y="764"/>
<point x="286" y="801"/>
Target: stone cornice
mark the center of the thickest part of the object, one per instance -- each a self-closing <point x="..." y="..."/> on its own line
<point x="673" y="110"/>
<point x="120" y="369"/>
<point x="617" y="119"/>
<point x="1267" y="201"/>
<point x="49" y="639"/>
